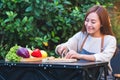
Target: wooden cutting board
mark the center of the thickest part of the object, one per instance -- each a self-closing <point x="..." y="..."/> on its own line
<point x="33" y="59"/>
<point x="49" y="59"/>
<point x="59" y="60"/>
<point x="30" y="59"/>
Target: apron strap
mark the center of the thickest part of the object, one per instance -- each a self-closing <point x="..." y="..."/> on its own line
<point x="102" y="43"/>
<point x="83" y="43"/>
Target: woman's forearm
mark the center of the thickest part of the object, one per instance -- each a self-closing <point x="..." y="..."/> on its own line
<point x="87" y="57"/>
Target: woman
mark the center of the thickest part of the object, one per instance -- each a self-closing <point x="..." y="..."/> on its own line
<point x="95" y="42"/>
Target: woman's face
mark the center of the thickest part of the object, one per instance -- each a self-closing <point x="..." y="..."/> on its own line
<point x="92" y="24"/>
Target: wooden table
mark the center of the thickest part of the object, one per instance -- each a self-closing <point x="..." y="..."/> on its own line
<point x="50" y="71"/>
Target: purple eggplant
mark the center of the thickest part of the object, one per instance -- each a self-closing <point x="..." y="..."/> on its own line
<point x="23" y="52"/>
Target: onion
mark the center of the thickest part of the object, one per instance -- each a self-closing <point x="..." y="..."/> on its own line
<point x="23" y="52"/>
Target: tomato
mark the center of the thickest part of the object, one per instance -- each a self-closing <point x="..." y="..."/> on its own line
<point x="36" y="53"/>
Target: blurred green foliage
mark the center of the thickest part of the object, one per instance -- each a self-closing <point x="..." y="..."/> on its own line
<point x="115" y="19"/>
<point x="41" y="23"/>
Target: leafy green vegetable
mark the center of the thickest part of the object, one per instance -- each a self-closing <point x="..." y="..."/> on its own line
<point x="12" y="56"/>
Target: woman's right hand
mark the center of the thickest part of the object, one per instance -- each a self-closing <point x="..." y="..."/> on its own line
<point x="62" y="50"/>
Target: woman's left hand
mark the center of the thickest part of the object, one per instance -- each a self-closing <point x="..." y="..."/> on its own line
<point x="72" y="54"/>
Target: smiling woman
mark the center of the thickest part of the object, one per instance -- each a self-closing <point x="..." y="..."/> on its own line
<point x="95" y="42"/>
<point x="92" y="24"/>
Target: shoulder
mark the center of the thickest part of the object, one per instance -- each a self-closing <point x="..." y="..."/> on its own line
<point x="110" y="39"/>
<point x="80" y="34"/>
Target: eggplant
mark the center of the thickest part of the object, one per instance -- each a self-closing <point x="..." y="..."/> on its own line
<point x="23" y="52"/>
